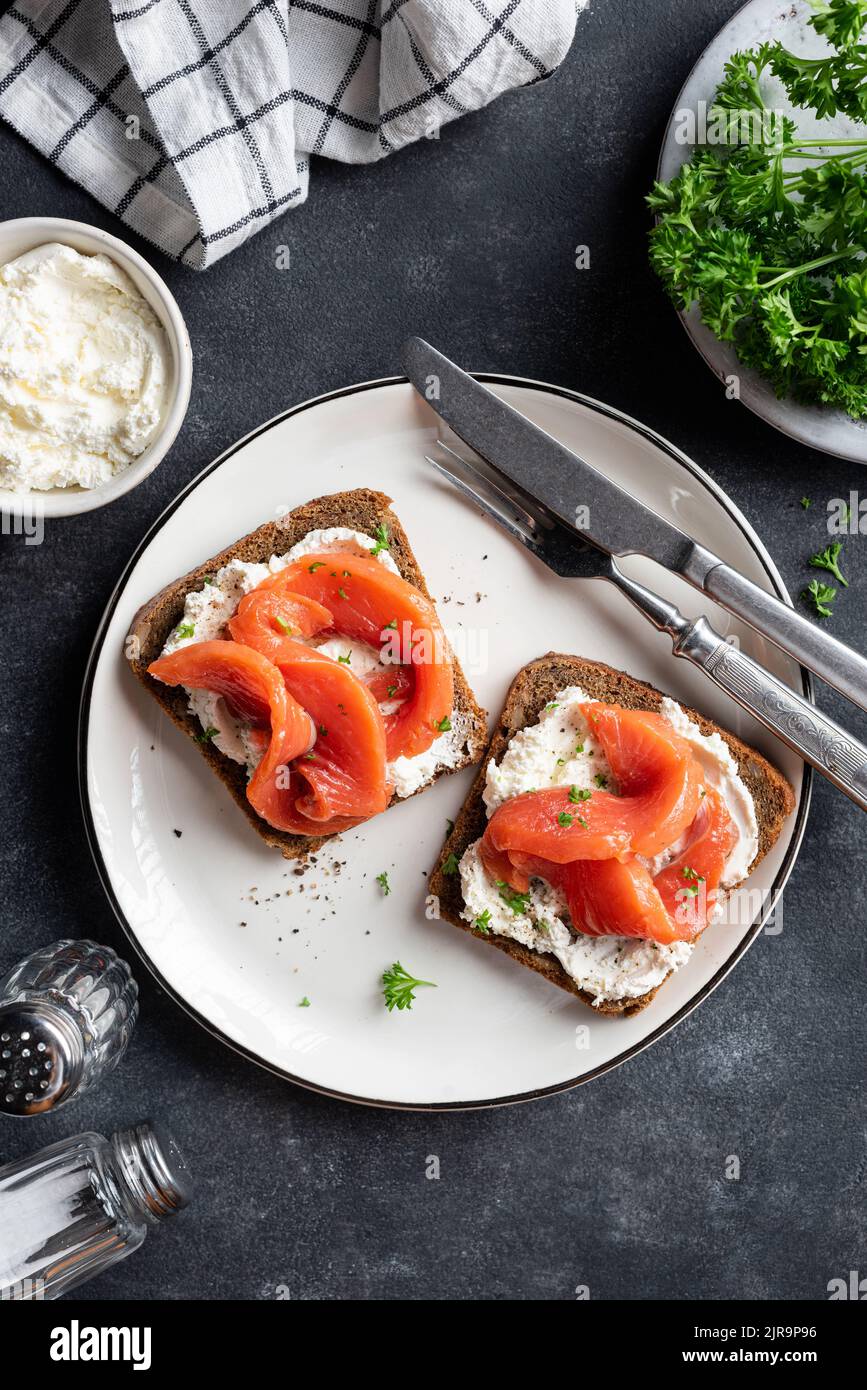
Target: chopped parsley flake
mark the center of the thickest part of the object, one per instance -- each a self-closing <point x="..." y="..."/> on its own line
<point x="382" y="880"/>
<point x="565" y="819"/>
<point x="483" y="922"/>
<point x="207" y="734"/>
<point x="450" y="866"/>
<point x="444" y="724"/>
<point x="694" y="880"/>
<point x="185" y="630"/>
<point x="516" y="901"/>
<point x="381" y="538"/>
<point x="577" y="794"/>
<point x="317" y="565"/>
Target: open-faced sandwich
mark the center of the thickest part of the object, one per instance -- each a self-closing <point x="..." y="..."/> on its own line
<point x="605" y="826"/>
<point x="309" y="665"/>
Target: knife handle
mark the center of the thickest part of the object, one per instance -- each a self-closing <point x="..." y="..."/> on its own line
<point x="815" y="737"/>
<point x="839" y="665"/>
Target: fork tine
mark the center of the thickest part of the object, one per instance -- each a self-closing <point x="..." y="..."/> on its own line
<point x="511" y="493"/>
<point x="492" y="504"/>
<point x="477" y="473"/>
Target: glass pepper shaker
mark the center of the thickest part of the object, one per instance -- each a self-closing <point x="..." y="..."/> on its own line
<point x="77" y="1207"/>
<point x="67" y="1013"/>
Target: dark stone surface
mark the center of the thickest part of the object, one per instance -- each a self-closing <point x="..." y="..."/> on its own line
<point x="619" y="1185"/>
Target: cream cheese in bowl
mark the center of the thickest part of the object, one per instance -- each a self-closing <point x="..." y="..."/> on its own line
<point x="84" y="370"/>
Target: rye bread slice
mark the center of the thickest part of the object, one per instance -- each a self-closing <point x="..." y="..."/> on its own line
<point x="531" y="690"/>
<point x="360" y="510"/>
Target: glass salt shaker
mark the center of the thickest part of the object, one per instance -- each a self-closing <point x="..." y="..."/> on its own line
<point x="67" y="1013"/>
<point x="77" y="1207"/>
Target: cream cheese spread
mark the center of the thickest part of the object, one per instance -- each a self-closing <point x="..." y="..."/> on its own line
<point x="84" y="363"/>
<point x="560" y="750"/>
<point x="208" y="610"/>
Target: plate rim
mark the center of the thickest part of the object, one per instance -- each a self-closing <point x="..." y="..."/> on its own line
<point x="83" y="724"/>
<point x="799" y="436"/>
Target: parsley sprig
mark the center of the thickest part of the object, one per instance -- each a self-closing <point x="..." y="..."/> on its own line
<point x="821" y="596"/>
<point x="398" y="987"/>
<point x="828" y="559"/>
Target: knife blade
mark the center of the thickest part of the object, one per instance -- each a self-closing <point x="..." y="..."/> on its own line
<point x="611" y="518"/>
<point x="566" y="484"/>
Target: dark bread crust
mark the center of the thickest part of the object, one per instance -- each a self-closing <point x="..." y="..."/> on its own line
<point x="533" y="687"/>
<point x="360" y="510"/>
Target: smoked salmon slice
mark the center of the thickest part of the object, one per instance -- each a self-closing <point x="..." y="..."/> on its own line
<point x="270" y="613"/>
<point x="688" y="885"/>
<point x="324" y="740"/>
<point x="255" y="691"/>
<point x="586" y="842"/>
<point x="610" y="898"/>
<point x="323" y="769"/>
<point x="369" y="603"/>
<point x="660" y="785"/>
<point x="559" y="826"/>
<point x="621" y="899"/>
<point x="659" y="778"/>
<point x="342" y="778"/>
<point x="393" y="684"/>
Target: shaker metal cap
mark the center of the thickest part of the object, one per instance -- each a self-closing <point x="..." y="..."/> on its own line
<point x="41" y="1057"/>
<point x="67" y="1012"/>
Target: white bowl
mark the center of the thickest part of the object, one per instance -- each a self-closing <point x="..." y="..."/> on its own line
<point x="23" y="234"/>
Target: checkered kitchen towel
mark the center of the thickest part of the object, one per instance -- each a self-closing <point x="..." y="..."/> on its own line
<point x="194" y="120"/>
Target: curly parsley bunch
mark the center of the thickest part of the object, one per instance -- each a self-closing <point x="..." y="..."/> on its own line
<point x="768" y="234"/>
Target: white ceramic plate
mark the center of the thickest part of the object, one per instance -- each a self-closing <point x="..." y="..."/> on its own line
<point x="490" y="1032"/>
<point x="757" y="22"/>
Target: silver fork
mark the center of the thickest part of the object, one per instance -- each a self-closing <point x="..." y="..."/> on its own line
<point x="811" y="734"/>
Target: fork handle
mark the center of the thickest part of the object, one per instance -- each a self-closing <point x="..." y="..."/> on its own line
<point x="809" y="732"/>
<point x="834" y="662"/>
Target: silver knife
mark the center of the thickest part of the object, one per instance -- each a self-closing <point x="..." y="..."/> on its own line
<point x="618" y="523"/>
